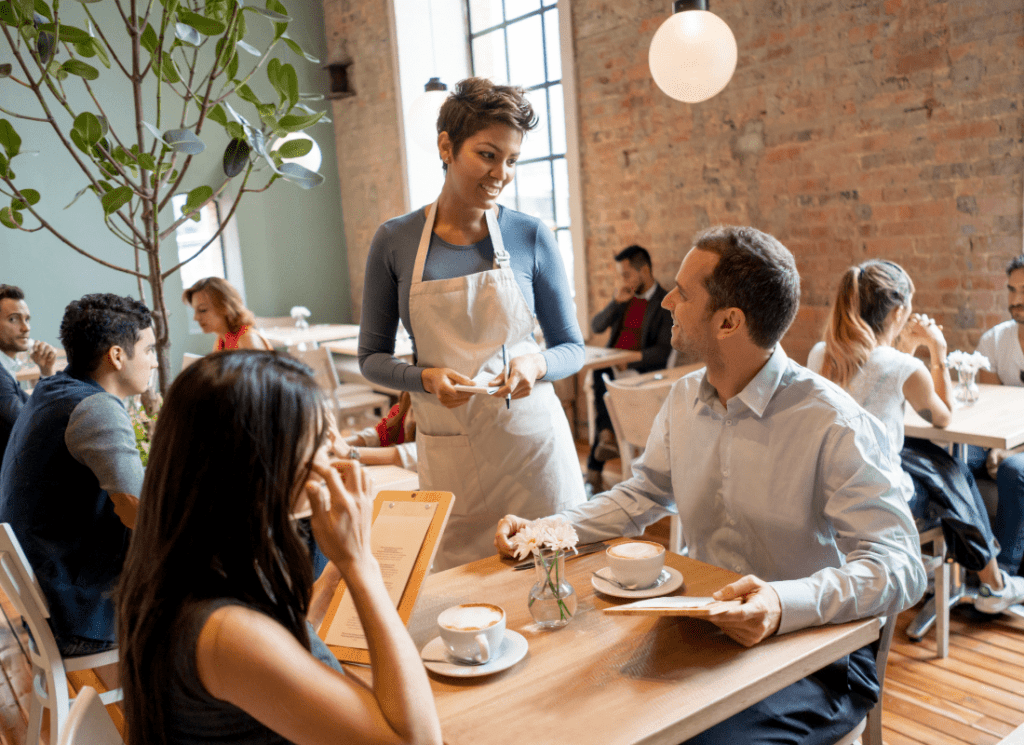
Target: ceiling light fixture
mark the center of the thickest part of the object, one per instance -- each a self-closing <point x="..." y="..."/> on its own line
<point x="693" y="53"/>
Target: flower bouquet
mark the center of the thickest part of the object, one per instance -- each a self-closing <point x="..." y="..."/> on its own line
<point x="143" y="423"/>
<point x="552" y="600"/>
<point x="967" y="366"/>
<point x="300" y="313"/>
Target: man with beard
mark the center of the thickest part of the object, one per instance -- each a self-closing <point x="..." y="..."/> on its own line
<point x="1004" y="346"/>
<point x="776" y="474"/>
<point x="14" y="338"/>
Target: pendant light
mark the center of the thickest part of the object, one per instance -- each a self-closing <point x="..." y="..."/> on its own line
<point x="693" y="53"/>
<point x="425" y="107"/>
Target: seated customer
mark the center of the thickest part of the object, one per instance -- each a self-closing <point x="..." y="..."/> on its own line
<point x="14" y="338"/>
<point x="776" y="475"/>
<point x="71" y="473"/>
<point x="217" y="603"/>
<point x="390" y="443"/>
<point x="872" y="309"/>
<point x="219" y="309"/>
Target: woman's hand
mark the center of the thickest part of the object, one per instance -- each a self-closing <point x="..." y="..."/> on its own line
<point x="342" y="509"/>
<point x="439" y="381"/>
<point x="523" y="372"/>
<point x="921" y="329"/>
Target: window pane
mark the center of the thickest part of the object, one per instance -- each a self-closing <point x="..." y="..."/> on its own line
<point x="561" y="169"/>
<point x="508" y="197"/>
<point x="489" y="57"/>
<point x="516" y="8"/>
<point x="526" y="52"/>
<point x="565" y="248"/>
<point x="557" y="116"/>
<point x="534" y="182"/>
<point x="484" y="14"/>
<point x="535" y="143"/>
<point x="191" y="236"/>
<point x="551" y="41"/>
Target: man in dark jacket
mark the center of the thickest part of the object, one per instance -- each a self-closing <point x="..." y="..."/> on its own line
<point x="637" y="322"/>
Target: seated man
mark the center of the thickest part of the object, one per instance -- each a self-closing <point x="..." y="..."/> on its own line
<point x="1004" y="346"/>
<point x="777" y="475"/>
<point x="71" y="475"/>
<point x="14" y="330"/>
<point x="637" y="322"/>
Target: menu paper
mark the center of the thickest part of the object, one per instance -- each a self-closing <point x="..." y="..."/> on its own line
<point x="396" y="537"/>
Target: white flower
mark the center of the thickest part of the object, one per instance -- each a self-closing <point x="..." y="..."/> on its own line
<point x="300" y="311"/>
<point x="972" y="362"/>
<point x="526" y="540"/>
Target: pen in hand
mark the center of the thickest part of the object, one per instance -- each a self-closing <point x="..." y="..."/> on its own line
<point x="504" y="364"/>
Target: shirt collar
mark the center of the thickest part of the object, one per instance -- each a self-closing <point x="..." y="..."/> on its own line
<point x="9" y="363"/>
<point x="650" y="292"/>
<point x="758" y="392"/>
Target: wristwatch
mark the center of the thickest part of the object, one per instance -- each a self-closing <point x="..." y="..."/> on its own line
<point x="353" y="453"/>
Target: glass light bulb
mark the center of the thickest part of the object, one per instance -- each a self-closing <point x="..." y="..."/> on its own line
<point x="692" y="55"/>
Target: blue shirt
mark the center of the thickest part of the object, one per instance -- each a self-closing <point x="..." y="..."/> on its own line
<point x="12" y="399"/>
<point x="538" y="270"/>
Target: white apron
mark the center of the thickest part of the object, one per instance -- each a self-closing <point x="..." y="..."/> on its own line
<point x="496" y="461"/>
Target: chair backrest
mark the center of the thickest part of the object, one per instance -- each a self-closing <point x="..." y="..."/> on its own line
<point x="633" y="408"/>
<point x="323" y="366"/>
<point x="88" y="722"/>
<point x="188" y="358"/>
<point x="19" y="583"/>
<point x="869" y="730"/>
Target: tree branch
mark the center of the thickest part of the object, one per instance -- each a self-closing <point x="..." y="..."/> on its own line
<point x="23" y="116"/>
<point x="103" y="38"/>
<point x="174" y="226"/>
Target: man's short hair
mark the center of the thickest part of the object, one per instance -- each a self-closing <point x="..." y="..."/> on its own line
<point x="637" y="256"/>
<point x="94" y="324"/>
<point x="1017" y="262"/>
<point x="10" y="292"/>
<point x="756" y="274"/>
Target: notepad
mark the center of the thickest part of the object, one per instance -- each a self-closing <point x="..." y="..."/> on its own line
<point x="673" y="606"/>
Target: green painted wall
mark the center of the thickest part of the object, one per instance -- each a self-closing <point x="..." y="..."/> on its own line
<point x="292" y="240"/>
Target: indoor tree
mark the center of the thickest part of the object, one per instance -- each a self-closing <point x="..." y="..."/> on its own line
<point x="172" y="68"/>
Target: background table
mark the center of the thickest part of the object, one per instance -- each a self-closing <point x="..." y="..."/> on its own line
<point x="995" y="420"/>
<point x="616" y="680"/>
<point x="285" y="336"/>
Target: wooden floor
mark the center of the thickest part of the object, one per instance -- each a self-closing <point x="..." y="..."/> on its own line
<point x="975" y="696"/>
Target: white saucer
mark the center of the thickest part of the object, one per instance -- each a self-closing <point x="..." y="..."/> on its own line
<point x="513" y="649"/>
<point x="673" y="583"/>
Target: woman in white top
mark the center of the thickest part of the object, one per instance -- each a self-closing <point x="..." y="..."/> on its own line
<point x="871" y="317"/>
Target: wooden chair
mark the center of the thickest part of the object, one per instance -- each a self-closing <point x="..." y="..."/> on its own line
<point x="869" y="731"/>
<point x="88" y="722"/>
<point x="348" y="399"/>
<point x="49" y="669"/>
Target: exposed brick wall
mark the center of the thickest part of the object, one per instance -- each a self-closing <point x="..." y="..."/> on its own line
<point x="366" y="127"/>
<point x="851" y="129"/>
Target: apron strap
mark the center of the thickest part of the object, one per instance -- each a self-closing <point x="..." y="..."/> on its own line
<point x="501" y="257"/>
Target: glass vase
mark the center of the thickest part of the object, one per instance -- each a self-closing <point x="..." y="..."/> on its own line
<point x="552" y="600"/>
<point x="966" y="390"/>
<point x="301" y="323"/>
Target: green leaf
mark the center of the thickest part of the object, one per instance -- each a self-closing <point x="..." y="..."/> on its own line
<point x="70" y="34"/>
<point x="154" y="131"/>
<point x="147" y="161"/>
<point x="188" y="34"/>
<point x="7" y="14"/>
<point x="274" y="76"/>
<point x="115" y="199"/>
<point x="184" y="141"/>
<point x="245" y="93"/>
<point x="101" y="53"/>
<point x="81" y="69"/>
<point x="235" y="130"/>
<point x="246" y="46"/>
<point x="85" y="49"/>
<point x="5" y="70"/>
<point x="303" y="177"/>
<point x="170" y="72"/>
<point x="89" y="127"/>
<point x="202" y="24"/>
<point x="46" y="44"/>
<point x="236" y="156"/>
<point x="290" y="84"/>
<point x="272" y="15"/>
<point x="26" y="8"/>
<point x="90" y="1"/>
<point x="217" y="114"/>
<point x="149" y="39"/>
<point x="298" y="122"/>
<point x="9" y="138"/>
<point x="4" y="170"/>
<point x="195" y="198"/>
<point x="31" y="196"/>
<point x="80" y="142"/>
<point x="298" y="50"/>
<point x="44" y="10"/>
<point x="10" y="218"/>
<point x="295" y="148"/>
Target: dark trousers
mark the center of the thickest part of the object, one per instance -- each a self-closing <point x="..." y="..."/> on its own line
<point x="817" y="710"/>
<point x="945" y="490"/>
<point x="1009" y="521"/>
<point x="602" y="420"/>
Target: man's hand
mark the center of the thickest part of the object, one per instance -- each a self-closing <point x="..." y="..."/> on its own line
<point x="508" y="526"/>
<point x="45" y="357"/>
<point x="623" y="292"/>
<point x="126" y="507"/>
<point x="758" y="615"/>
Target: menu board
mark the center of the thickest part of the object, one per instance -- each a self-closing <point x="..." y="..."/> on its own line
<point x="407" y="527"/>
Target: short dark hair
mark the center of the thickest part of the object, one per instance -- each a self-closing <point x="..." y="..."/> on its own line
<point x="477" y="103"/>
<point x="1017" y="262"/>
<point x="637" y="256"/>
<point x="98" y="322"/>
<point x="11" y="292"/>
<point x="756" y="274"/>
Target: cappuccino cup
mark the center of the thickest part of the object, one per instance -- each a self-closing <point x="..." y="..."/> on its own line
<point x="636" y="564"/>
<point x="472" y="632"/>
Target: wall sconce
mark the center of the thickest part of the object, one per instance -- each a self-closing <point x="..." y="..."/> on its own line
<point x="340" y="87"/>
<point x="423" y="114"/>
<point x="693" y="53"/>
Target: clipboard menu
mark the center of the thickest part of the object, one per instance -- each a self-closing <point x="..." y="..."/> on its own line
<point x="406" y="529"/>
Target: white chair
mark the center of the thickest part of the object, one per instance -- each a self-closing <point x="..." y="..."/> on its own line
<point x="188" y="358"/>
<point x="347" y="398"/>
<point x="869" y="730"/>
<point x="88" y="722"/>
<point x="950" y="591"/>
<point x="49" y="669"/>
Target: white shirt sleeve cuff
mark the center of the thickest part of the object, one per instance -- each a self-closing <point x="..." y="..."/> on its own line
<point x="799" y="605"/>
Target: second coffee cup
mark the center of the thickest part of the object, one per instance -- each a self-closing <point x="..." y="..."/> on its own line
<point x="472" y="632"/>
<point x="636" y="564"/>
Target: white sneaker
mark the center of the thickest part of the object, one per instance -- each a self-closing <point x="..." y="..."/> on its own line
<point x="990" y="601"/>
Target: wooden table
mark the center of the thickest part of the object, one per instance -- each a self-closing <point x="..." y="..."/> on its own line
<point x="285" y="336"/>
<point x="995" y="420"/>
<point x="614" y="680"/>
<point x="350" y="347"/>
<point x="594" y="358"/>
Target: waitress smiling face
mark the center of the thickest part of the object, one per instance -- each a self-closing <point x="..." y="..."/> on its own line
<point x="482" y="166"/>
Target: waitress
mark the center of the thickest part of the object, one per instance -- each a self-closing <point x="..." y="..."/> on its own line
<point x="466" y="277"/>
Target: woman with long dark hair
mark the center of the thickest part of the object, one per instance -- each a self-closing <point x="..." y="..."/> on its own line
<point x="871" y="317"/>
<point x="217" y="604"/>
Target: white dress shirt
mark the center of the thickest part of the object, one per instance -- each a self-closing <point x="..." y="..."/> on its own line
<point x="788" y="482"/>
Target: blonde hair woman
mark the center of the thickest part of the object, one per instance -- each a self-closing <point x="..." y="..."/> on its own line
<point x="870" y="339"/>
<point x="219" y="309"/>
